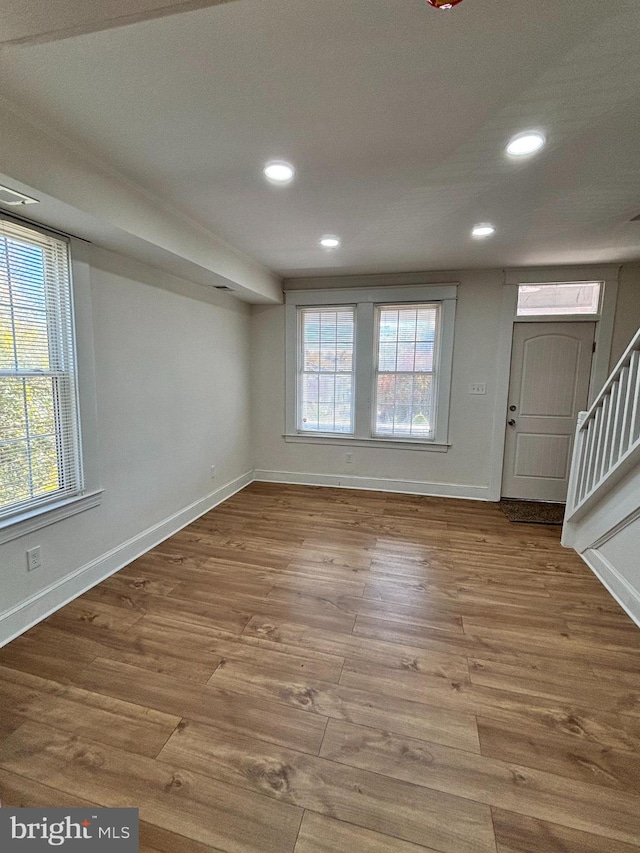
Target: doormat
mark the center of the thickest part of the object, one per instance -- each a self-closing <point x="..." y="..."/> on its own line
<point x="532" y="512"/>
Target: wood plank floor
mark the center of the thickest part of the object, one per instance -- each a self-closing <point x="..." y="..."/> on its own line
<point x="308" y="670"/>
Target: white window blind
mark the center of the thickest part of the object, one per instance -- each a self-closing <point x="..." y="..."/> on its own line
<point x="39" y="427"/>
<point x="325" y="376"/>
<point x="405" y="391"/>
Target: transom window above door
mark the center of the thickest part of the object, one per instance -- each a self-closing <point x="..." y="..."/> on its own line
<point x="559" y="299"/>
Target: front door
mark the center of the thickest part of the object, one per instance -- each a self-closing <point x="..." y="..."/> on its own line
<point x="549" y="385"/>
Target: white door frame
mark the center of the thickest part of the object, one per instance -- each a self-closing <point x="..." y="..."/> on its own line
<point x="599" y="365"/>
<point x="541" y="428"/>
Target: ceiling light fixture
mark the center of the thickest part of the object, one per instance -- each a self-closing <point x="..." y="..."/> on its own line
<point x="443" y="4"/>
<point x="279" y="172"/>
<point x="526" y="143"/>
<point x="482" y="230"/>
<point x="330" y="241"/>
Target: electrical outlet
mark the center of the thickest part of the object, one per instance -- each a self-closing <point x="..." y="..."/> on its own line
<point x="478" y="388"/>
<point x="348" y="458"/>
<point x="34" y="559"/>
<point x="213" y="471"/>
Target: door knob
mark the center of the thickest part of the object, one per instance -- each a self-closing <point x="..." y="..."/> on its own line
<point x="512" y="408"/>
<point x="511" y="422"/>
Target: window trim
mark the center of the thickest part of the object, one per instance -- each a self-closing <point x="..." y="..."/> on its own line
<point x="61" y="368"/>
<point x="365" y="299"/>
<point x="34" y="518"/>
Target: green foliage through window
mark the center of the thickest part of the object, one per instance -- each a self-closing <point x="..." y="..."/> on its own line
<point x="38" y="417"/>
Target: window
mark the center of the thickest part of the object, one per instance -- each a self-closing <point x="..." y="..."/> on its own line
<point x="370" y="365"/>
<point x="561" y="298"/>
<point x="405" y="376"/>
<point x="39" y="423"/>
<point x="325" y="388"/>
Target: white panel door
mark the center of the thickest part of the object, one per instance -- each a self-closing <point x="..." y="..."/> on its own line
<point x="549" y="385"/>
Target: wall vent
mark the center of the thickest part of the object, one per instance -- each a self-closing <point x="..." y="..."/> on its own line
<point x="14" y="198"/>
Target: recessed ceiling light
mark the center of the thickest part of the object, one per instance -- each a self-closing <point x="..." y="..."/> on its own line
<point x="483" y="229"/>
<point x="330" y="241"/>
<point x="526" y="143"/>
<point x="279" y="172"/>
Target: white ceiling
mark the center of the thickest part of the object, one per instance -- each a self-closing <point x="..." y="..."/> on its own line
<point x="24" y="21"/>
<point x="394" y="114"/>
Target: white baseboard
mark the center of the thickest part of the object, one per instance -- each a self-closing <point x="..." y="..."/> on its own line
<point x="34" y="609"/>
<point x="627" y="597"/>
<point x="346" y="481"/>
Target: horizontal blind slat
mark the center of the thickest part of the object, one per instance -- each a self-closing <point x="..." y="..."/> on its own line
<point x="39" y="431"/>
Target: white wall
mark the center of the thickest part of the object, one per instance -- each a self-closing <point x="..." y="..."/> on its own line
<point x="463" y="470"/>
<point x="619" y="555"/>
<point x="607" y="538"/>
<point x="627" y="319"/>
<point x="466" y="469"/>
<point x="172" y="388"/>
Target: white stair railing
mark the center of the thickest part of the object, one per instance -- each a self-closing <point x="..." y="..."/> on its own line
<point x="607" y="442"/>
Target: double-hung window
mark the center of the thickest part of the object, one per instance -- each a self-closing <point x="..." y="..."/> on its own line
<point x="405" y="399"/>
<point x="40" y="459"/>
<point x="370" y="365"/>
<point x="325" y="370"/>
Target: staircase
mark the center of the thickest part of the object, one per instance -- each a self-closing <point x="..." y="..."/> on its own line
<point x="602" y="520"/>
